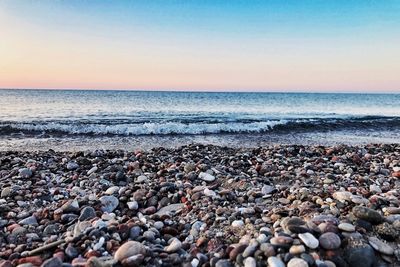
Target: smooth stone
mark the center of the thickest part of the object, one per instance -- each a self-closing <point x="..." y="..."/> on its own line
<point x="72" y="165"/>
<point x="297" y="262"/>
<point x="174" y="246"/>
<point x="112" y="190"/>
<point x="250" y="262"/>
<point x="25" y="173"/>
<point x="5" y="192"/>
<point x="223" y="263"/>
<point x="92" y="170"/>
<point x="267" y="189"/>
<point x="342" y="196"/>
<point x="52" y="262"/>
<point x="206" y="177"/>
<point x="249" y="251"/>
<point x="359" y="254"/>
<point x="70" y="206"/>
<point x="297" y="249"/>
<point x="380" y="246"/>
<point x="133" y="205"/>
<point x="309" y="240"/>
<point x="108" y="203"/>
<point x="348" y="227"/>
<point x="141" y="179"/>
<point x="87" y="213"/>
<point x="329" y="241"/>
<point x="281" y="240"/>
<point x="129" y="249"/>
<point x="275" y="262"/>
<point x="237" y="223"/>
<point x="167" y="210"/>
<point x="31" y="220"/>
<point x="368" y="214"/>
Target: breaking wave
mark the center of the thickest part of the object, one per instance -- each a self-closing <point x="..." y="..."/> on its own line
<point x="134" y="128"/>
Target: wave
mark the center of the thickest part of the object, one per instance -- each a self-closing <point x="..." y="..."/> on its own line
<point x="195" y="128"/>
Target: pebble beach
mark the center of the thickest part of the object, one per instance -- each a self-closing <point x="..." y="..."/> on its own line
<point x="202" y="205"/>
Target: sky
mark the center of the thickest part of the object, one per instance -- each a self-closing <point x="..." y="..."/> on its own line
<point x="316" y="46"/>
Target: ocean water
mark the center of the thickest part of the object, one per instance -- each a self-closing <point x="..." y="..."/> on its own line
<point x="76" y="120"/>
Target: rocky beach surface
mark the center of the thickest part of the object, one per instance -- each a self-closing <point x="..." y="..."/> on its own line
<point x="202" y="205"/>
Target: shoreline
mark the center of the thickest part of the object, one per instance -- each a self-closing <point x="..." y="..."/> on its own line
<point x="202" y="205"/>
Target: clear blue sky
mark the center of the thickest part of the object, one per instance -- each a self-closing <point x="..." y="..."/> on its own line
<point x="201" y="45"/>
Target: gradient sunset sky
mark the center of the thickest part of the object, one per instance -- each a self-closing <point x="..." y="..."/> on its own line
<point x="326" y="45"/>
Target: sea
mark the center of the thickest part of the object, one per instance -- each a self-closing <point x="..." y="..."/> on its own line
<point x="74" y="120"/>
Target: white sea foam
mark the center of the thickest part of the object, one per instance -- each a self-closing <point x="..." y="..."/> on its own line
<point x="149" y="128"/>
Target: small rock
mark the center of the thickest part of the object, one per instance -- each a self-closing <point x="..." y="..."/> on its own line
<point x="167" y="210"/>
<point x="329" y="241"/>
<point x="309" y="240"/>
<point x="129" y="249"/>
<point x="72" y="165"/>
<point x="87" y="213"/>
<point x="52" y="262"/>
<point x="250" y="262"/>
<point x="347" y="227"/>
<point x="297" y="262"/>
<point x="380" y="246"/>
<point x="174" y="246"/>
<point x="368" y="214"/>
<point x="25" y="173"/>
<point x="206" y="177"/>
<point x="275" y="262"/>
<point x="31" y="220"/>
<point x="238" y="223"/>
<point x="109" y="203"/>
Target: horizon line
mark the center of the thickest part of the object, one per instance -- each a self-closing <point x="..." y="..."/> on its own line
<point x="202" y="90"/>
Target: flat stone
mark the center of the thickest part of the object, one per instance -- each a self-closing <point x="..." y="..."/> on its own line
<point x="25" y="173"/>
<point x="309" y="240"/>
<point x="129" y="249"/>
<point x="275" y="262"/>
<point x="206" y="177"/>
<point x="267" y="189"/>
<point x="31" y="220"/>
<point x="348" y="227"/>
<point x="297" y="262"/>
<point x="380" y="246"/>
<point x="52" y="262"/>
<point x="5" y="192"/>
<point x="109" y="203"/>
<point x="168" y="210"/>
<point x="72" y="166"/>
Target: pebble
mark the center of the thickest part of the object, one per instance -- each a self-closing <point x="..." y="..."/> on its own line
<point x="309" y="240"/>
<point x="348" y="227"/>
<point x="297" y="262"/>
<point x="237" y="223"/>
<point x="329" y="241"/>
<point x="25" y="173"/>
<point x="380" y="246"/>
<point x="109" y="203"/>
<point x="206" y="177"/>
<point x="368" y="214"/>
<point x="275" y="262"/>
<point x="174" y="246"/>
<point x="87" y="213"/>
<point x="129" y="249"/>
<point x="250" y="262"/>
